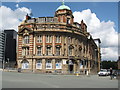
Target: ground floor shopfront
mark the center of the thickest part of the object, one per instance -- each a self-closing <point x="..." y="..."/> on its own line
<point x="57" y="65"/>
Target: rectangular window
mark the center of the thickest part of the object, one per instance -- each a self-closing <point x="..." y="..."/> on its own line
<point x="58" y="39"/>
<point x="48" y="64"/>
<point x="39" y="64"/>
<point x="57" y="51"/>
<point x="39" y="39"/>
<point x="48" y="39"/>
<point x="68" y="20"/>
<point x="26" y="39"/>
<point x="69" y="40"/>
<point x="39" y="51"/>
<point x="49" y="51"/>
<point x="25" y="51"/>
<point x="58" y="64"/>
<point x="70" y="51"/>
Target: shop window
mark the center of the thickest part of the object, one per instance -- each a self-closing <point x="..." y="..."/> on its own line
<point x="25" y="65"/>
<point x="39" y="64"/>
<point x="48" y="64"/>
<point x="58" y="64"/>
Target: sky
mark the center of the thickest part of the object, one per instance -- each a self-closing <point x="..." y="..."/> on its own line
<point x="101" y="19"/>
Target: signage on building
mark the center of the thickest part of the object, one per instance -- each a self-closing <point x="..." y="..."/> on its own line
<point x="64" y="61"/>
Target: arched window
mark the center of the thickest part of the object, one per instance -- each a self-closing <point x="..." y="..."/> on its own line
<point x="39" y="50"/>
<point x="48" y="64"/>
<point x="39" y="64"/>
<point x="25" y="64"/>
<point x="48" y="50"/>
<point x="26" y="39"/>
<point x="58" y="50"/>
<point x="58" y="64"/>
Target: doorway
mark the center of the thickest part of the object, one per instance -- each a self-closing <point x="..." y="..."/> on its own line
<point x="71" y="68"/>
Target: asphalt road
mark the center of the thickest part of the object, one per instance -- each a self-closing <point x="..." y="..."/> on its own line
<point x="31" y="80"/>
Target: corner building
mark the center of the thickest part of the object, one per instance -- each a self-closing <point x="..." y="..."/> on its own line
<point x="56" y="45"/>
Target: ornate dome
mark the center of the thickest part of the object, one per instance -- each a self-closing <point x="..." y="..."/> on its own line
<point x="63" y="7"/>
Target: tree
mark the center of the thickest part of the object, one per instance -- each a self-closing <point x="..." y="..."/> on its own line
<point x="109" y="64"/>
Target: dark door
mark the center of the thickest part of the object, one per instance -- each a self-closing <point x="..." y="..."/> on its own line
<point x="71" y="68"/>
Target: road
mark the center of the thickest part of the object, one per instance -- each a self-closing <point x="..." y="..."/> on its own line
<point x="31" y="80"/>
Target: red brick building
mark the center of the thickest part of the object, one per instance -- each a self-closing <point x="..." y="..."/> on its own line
<point x="56" y="44"/>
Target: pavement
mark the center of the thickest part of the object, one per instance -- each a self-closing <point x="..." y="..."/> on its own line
<point x="31" y="80"/>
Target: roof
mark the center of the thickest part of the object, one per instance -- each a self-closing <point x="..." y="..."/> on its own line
<point x="63" y="7"/>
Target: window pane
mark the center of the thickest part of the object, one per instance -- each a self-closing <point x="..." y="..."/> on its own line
<point x="49" y="51"/>
<point x="57" y="50"/>
<point x="39" y="39"/>
<point x="39" y="64"/>
<point x="26" y="39"/>
<point x="48" y="39"/>
<point x="48" y="64"/>
<point x="58" y="64"/>
<point x="25" y="65"/>
<point x="39" y="51"/>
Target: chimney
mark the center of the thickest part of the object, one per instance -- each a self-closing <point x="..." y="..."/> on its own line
<point x="83" y="26"/>
<point x="28" y="17"/>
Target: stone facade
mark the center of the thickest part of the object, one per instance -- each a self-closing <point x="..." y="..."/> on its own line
<point x="56" y="45"/>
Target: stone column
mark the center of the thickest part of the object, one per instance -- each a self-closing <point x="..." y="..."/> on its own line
<point x="64" y="66"/>
<point x="53" y="65"/>
<point x="34" y="47"/>
<point x="66" y="45"/>
<point x="78" y="65"/>
<point x="62" y="43"/>
<point x="43" y="65"/>
<point x="19" y="64"/>
<point x="34" y="65"/>
<point x="44" y="44"/>
<point x="53" y="44"/>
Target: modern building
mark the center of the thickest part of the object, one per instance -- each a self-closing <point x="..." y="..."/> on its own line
<point x="10" y="48"/>
<point x="2" y="48"/>
<point x="56" y="44"/>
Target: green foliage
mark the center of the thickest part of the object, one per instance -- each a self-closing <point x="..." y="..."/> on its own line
<point x="109" y="64"/>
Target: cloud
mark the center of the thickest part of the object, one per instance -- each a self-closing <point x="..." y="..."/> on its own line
<point x="100" y="29"/>
<point x="17" y="5"/>
<point x="10" y="19"/>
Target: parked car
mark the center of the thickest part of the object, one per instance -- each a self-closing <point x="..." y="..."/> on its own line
<point x="103" y="72"/>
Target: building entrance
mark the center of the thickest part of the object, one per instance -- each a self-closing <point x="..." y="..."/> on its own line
<point x="71" y="68"/>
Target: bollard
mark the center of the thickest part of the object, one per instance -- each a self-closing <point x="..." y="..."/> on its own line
<point x="87" y="73"/>
<point x="77" y="74"/>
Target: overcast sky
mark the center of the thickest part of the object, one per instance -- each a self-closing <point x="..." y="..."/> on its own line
<point x="100" y="17"/>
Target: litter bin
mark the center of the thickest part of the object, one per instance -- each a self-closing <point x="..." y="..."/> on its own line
<point x="19" y="69"/>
